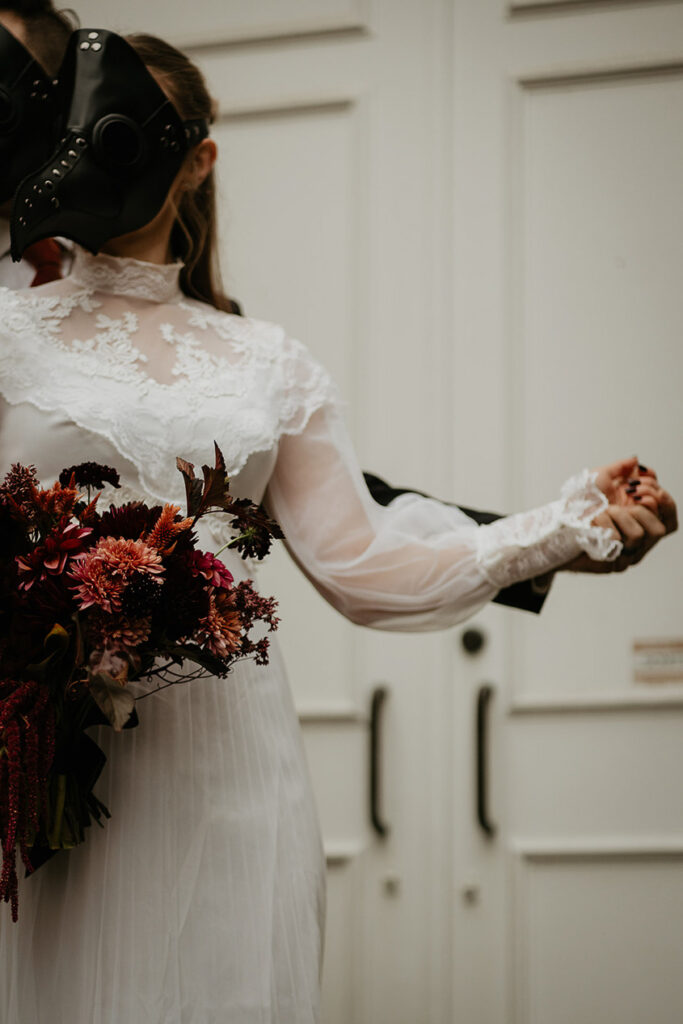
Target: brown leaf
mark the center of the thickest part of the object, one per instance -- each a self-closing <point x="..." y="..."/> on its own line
<point x="216" y="483"/>
<point x="193" y="486"/>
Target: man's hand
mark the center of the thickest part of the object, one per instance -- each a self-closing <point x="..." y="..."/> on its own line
<point x="636" y="526"/>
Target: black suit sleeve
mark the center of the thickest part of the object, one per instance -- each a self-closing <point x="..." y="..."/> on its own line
<point x="528" y="596"/>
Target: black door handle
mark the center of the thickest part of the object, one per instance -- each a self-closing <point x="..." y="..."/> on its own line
<point x="379" y="697"/>
<point x="481" y="768"/>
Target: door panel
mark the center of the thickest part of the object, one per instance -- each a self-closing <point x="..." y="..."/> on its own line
<point x="577" y="944"/>
<point x="568" y="315"/>
<point x="597" y="352"/>
<point x="237" y="21"/>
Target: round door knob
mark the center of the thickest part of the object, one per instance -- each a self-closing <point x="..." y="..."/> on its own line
<point x="473" y="640"/>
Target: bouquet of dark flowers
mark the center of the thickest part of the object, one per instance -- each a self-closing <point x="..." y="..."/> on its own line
<point x="90" y="600"/>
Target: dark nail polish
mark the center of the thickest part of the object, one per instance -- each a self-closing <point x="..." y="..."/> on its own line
<point x="634" y="481"/>
<point x="643" y="469"/>
<point x="631" y="490"/>
<point x="637" y="497"/>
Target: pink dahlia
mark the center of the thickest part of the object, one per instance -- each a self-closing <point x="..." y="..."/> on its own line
<point x="103" y="573"/>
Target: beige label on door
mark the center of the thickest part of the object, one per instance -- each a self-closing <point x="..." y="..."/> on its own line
<point x="658" y="661"/>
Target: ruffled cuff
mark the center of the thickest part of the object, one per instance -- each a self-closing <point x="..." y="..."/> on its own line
<point x="532" y="543"/>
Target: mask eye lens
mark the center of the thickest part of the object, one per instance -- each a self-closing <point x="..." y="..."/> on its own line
<point x="118" y="142"/>
<point x="6" y="109"/>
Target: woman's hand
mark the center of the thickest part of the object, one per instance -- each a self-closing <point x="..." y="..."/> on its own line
<point x="629" y="483"/>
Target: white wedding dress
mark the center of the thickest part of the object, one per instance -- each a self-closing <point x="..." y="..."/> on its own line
<point x="202" y="900"/>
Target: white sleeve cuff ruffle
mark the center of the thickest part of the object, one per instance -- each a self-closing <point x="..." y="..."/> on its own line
<point x="532" y="543"/>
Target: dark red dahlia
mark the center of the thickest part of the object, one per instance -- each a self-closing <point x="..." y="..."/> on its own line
<point x="129" y="521"/>
<point x="50" y="558"/>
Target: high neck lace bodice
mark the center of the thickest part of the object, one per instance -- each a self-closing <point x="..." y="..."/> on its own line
<point x="122" y="275"/>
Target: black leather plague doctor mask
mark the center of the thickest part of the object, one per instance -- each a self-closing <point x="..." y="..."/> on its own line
<point x="124" y="142"/>
<point x="30" y="113"/>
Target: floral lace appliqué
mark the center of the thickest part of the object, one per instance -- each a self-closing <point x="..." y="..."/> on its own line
<point x="161" y="379"/>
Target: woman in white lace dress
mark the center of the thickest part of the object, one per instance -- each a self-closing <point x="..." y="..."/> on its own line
<point x="202" y="901"/>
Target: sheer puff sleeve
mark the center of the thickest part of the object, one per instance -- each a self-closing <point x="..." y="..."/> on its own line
<point x="415" y="564"/>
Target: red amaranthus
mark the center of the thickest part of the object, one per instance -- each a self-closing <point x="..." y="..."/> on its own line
<point x="89" y="600"/>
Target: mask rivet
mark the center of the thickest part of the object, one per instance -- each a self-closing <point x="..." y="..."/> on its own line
<point x="85" y="46"/>
<point x="65" y="163"/>
<point x="33" y="95"/>
<point x="92" y="35"/>
<point x="37" y="83"/>
<point x="55" y="202"/>
<point x="80" y="141"/>
<point x="44" y="96"/>
<point x="96" y="46"/>
<point x="72" y="153"/>
<point x="40" y="191"/>
<point x="56" y="171"/>
<point x="22" y="221"/>
<point x="48" y="184"/>
<point x="27" y="201"/>
<point x="36" y="189"/>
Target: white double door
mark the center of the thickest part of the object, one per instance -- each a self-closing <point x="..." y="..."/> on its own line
<point x="470" y="210"/>
<point x="568" y="229"/>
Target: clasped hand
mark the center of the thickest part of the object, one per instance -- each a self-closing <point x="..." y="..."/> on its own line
<point x="640" y="512"/>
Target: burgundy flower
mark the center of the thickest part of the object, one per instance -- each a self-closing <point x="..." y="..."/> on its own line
<point x="27" y="732"/>
<point x="212" y="569"/>
<point x="50" y="558"/>
<point x="89" y="474"/>
<point x="131" y="520"/>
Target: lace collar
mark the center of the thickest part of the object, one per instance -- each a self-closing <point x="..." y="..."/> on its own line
<point x="122" y="275"/>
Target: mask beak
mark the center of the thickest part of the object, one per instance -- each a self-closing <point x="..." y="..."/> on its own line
<point x="123" y="144"/>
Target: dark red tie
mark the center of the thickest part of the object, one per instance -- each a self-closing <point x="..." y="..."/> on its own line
<point x="46" y="259"/>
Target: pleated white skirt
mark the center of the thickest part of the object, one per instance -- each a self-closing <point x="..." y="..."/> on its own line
<point x="202" y="899"/>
